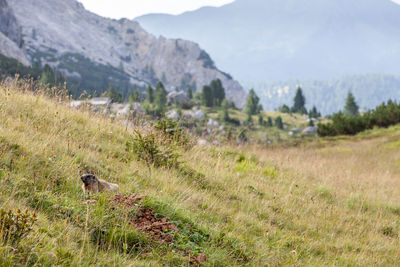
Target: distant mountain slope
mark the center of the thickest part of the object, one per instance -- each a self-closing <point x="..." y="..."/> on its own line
<point x="83" y="46"/>
<point x="11" y="43"/>
<point x="270" y="40"/>
<point x="329" y="96"/>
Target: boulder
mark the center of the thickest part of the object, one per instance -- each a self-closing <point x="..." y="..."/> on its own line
<point x="177" y="97"/>
<point x="197" y="115"/>
<point x="100" y="101"/>
<point x="137" y="107"/>
<point x="202" y="142"/>
<point x="310" y="129"/>
<point x="75" y="104"/>
<point x="172" y="114"/>
<point x="120" y="110"/>
<point x="212" y="123"/>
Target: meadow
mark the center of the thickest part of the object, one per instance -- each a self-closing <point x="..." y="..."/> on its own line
<point x="321" y="202"/>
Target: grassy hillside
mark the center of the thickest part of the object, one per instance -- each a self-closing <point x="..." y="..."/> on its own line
<point x="329" y="202"/>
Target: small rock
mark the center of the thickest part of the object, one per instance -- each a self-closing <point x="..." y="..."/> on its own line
<point x="75" y="104"/>
<point x="202" y="142"/>
<point x="172" y="114"/>
<point x="212" y="123"/>
<point x="310" y="129"/>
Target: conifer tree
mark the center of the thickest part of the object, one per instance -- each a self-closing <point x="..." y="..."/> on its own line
<point x="207" y="96"/>
<point x="249" y="119"/>
<point x="218" y="92"/>
<point x="149" y="94"/>
<point x="261" y="120"/>
<point x="112" y="93"/>
<point x="351" y="107"/>
<point x="134" y="97"/>
<point x="313" y="113"/>
<point x="269" y="122"/>
<point x="225" y="110"/>
<point x="47" y="76"/>
<point x="252" y="105"/>
<point x="160" y="98"/>
<point x="189" y="93"/>
<point x="299" y="102"/>
<point x="279" y="122"/>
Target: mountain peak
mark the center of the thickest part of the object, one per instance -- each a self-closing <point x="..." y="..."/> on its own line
<point x="62" y="34"/>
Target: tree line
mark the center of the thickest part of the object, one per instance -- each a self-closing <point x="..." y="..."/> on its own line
<point x="351" y="122"/>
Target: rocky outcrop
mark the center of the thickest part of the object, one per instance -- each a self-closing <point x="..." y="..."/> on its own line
<point x="9" y="49"/>
<point x="8" y="24"/>
<point x="61" y="32"/>
<point x="11" y="43"/>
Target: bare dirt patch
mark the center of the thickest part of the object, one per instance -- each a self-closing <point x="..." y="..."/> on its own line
<point x="157" y="228"/>
<point x="128" y="201"/>
<point x="197" y="260"/>
<point x="146" y="220"/>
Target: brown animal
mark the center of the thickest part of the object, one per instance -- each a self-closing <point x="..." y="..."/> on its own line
<point x="93" y="185"/>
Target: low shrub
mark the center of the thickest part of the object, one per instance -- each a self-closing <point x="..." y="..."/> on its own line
<point x="384" y="115"/>
<point x="147" y="149"/>
<point x="173" y="132"/>
<point x="15" y="225"/>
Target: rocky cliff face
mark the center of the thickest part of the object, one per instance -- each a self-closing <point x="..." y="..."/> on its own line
<point x="8" y="24"/>
<point x="11" y="43"/>
<point x="63" y="34"/>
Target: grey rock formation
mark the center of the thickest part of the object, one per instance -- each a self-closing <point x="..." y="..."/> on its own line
<point x="120" y="110"/>
<point x="212" y="123"/>
<point x="195" y="114"/>
<point x="8" y="24"/>
<point x="100" y="101"/>
<point x="57" y="31"/>
<point x="137" y="107"/>
<point x="172" y="114"/>
<point x="10" y="49"/>
<point x="310" y="130"/>
<point x="177" y="97"/>
<point x="11" y="44"/>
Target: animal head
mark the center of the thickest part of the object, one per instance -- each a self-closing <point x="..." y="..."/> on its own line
<point x="89" y="179"/>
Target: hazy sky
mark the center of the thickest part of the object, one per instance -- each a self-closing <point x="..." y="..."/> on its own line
<point x="133" y="8"/>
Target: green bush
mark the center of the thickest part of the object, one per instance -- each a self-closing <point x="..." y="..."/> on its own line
<point x="172" y="132"/>
<point x="15" y="225"/>
<point x="384" y="115"/>
<point x="147" y="149"/>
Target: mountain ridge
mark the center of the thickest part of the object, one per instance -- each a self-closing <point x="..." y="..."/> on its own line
<point x="275" y="42"/>
<point x="11" y="42"/>
<point x="66" y="36"/>
<point x="276" y="39"/>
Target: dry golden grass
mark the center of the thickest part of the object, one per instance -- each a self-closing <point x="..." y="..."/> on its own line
<point x="321" y="204"/>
